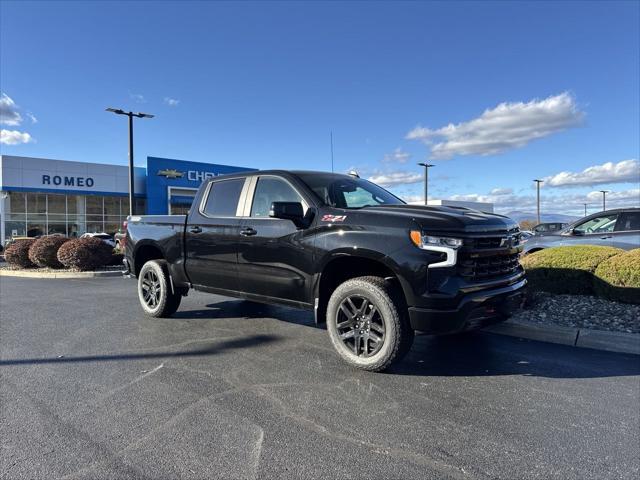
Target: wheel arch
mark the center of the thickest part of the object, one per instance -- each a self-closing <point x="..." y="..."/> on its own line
<point x="341" y="266"/>
<point x="145" y="252"/>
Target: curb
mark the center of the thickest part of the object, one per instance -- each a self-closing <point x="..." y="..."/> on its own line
<point x="27" y="274"/>
<point x="576" y="337"/>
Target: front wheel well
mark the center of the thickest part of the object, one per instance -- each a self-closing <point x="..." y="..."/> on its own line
<point x="144" y="254"/>
<point x="342" y="269"/>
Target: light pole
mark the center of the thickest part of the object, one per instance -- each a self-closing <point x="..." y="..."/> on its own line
<point x="426" y="166"/>
<point x="604" y="199"/>
<point x="538" y="182"/>
<point x="585" y="209"/>
<point x="119" y="111"/>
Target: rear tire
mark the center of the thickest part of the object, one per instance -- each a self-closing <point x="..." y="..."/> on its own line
<point x="154" y="290"/>
<point x="367" y="323"/>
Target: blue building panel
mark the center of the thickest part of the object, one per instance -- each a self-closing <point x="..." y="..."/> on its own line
<point x="164" y="174"/>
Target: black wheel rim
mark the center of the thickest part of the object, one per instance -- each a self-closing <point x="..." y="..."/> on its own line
<point x="151" y="289"/>
<point x="360" y="326"/>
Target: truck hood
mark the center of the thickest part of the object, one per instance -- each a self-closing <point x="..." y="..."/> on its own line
<point x="447" y="219"/>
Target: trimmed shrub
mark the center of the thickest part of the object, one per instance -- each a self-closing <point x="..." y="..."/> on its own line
<point x="84" y="253"/>
<point x="44" y="251"/>
<point x="17" y="254"/>
<point x="618" y="278"/>
<point x="566" y="269"/>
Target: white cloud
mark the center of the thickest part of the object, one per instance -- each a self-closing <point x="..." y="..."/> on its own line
<point x="502" y="191"/>
<point x="9" y="114"/>
<point x="623" y="198"/>
<point x="172" y="102"/>
<point x="570" y="204"/>
<point x="626" y="171"/>
<point x="503" y="128"/>
<point x="14" y="137"/>
<point x="137" y="97"/>
<point x="398" y="156"/>
<point x="32" y="117"/>
<point x="389" y="179"/>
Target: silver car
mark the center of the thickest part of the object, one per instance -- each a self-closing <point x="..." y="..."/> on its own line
<point x="612" y="228"/>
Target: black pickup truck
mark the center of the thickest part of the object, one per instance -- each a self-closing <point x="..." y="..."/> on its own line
<point x="372" y="267"/>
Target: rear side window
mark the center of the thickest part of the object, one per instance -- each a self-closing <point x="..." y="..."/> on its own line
<point x="223" y="198"/>
<point x="628" y="221"/>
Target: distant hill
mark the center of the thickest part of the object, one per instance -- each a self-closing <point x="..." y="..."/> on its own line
<point x="518" y="216"/>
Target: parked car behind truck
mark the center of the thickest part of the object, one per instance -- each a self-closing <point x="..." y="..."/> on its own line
<point x="372" y="267"/>
<point x="612" y="228"/>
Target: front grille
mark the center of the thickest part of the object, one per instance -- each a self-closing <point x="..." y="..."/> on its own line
<point x="510" y="240"/>
<point x="487" y="267"/>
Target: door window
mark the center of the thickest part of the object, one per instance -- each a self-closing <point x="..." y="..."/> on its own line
<point x="223" y="198"/>
<point x="628" y="221"/>
<point x="269" y="190"/>
<point x="602" y="224"/>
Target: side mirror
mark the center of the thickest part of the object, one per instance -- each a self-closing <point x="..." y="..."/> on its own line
<point x="287" y="211"/>
<point x="573" y="231"/>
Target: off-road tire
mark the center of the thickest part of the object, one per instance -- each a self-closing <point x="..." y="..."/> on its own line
<point x="389" y="303"/>
<point x="155" y="274"/>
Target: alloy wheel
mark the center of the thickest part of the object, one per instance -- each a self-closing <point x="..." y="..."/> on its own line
<point x="151" y="289"/>
<point x="360" y="326"/>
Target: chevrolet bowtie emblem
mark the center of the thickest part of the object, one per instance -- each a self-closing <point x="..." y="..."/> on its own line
<point x="170" y="173"/>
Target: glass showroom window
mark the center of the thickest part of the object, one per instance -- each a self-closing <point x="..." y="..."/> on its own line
<point x="15" y="215"/>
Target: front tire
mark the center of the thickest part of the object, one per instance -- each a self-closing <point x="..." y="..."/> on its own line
<point x="368" y="324"/>
<point x="154" y="290"/>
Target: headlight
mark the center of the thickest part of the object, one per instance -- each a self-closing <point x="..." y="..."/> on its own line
<point x="425" y="241"/>
<point x="447" y="245"/>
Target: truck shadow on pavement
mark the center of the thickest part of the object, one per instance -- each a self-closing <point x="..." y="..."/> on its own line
<point x="470" y="354"/>
<point x="211" y="349"/>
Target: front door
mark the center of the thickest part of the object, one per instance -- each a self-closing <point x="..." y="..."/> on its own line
<point x="211" y="238"/>
<point x="596" y="231"/>
<point x="271" y="259"/>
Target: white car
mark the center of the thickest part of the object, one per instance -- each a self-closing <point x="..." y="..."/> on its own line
<point x="105" y="237"/>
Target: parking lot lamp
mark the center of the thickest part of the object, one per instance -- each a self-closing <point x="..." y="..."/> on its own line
<point x="585" y="209"/>
<point x="119" y="111"/>
<point x="604" y="199"/>
<point x="426" y="166"/>
<point x="538" y="182"/>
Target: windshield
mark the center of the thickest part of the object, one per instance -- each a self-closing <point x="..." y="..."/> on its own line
<point x="342" y="191"/>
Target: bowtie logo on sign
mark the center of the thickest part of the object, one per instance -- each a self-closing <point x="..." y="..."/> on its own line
<point x="170" y="173"/>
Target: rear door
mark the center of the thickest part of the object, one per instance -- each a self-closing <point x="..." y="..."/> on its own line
<point x="627" y="232"/>
<point x="211" y="236"/>
<point x="272" y="261"/>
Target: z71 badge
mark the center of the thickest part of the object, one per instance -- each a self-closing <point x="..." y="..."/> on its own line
<point x="333" y="218"/>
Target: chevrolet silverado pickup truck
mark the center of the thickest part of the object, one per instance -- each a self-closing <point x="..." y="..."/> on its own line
<point x="371" y="267"/>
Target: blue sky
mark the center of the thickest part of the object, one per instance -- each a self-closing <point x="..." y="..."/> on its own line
<point x="530" y="90"/>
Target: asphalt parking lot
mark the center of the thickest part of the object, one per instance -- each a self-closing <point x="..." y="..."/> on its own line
<point x="92" y="389"/>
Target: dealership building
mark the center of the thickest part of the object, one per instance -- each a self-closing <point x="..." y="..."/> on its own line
<point x="40" y="196"/>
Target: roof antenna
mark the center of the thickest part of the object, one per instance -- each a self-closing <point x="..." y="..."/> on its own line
<point x="331" y="137"/>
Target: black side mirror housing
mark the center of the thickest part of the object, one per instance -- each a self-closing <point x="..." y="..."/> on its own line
<point x="288" y="211"/>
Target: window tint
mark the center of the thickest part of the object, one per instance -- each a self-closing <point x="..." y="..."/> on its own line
<point x="628" y="221"/>
<point x="223" y="198"/>
<point x="269" y="190"/>
<point x="602" y="224"/>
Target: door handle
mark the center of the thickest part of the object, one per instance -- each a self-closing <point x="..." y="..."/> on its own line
<point x="248" y="232"/>
<point x="195" y="229"/>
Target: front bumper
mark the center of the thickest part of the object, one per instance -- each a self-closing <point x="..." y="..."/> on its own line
<point x="476" y="310"/>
